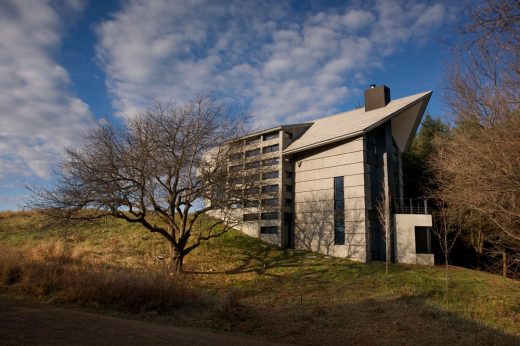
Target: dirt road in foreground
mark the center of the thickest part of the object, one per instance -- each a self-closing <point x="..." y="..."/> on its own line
<point x="23" y="323"/>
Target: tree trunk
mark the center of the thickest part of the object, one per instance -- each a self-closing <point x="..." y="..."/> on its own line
<point x="504" y="262"/>
<point x="446" y="275"/>
<point x="177" y="261"/>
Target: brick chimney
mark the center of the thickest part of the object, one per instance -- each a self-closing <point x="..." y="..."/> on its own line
<point x="376" y="97"/>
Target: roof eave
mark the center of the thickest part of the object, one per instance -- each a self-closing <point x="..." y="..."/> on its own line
<point x="319" y="144"/>
<point x="425" y="97"/>
<point x="391" y="115"/>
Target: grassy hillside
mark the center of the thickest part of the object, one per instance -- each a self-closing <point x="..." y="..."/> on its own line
<point x="238" y="284"/>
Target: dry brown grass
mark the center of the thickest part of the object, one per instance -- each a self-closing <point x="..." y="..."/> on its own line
<point x="52" y="272"/>
<point x="245" y="286"/>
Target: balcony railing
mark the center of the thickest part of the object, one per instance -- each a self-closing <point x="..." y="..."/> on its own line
<point x="411" y="206"/>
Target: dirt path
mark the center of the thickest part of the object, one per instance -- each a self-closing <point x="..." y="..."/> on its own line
<point x="23" y="323"/>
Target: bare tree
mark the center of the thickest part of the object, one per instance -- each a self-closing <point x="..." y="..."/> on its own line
<point x="447" y="232"/>
<point x="167" y="169"/>
<point x="383" y="215"/>
<point x="477" y="166"/>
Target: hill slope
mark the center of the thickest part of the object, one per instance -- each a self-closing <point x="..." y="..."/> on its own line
<point x="242" y="285"/>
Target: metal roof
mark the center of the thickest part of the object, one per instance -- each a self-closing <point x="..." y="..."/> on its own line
<point x="351" y="124"/>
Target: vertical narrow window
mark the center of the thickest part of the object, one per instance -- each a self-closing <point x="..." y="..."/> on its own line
<point x="339" y="211"/>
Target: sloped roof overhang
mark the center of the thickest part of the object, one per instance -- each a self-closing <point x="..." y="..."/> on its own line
<point x="421" y="103"/>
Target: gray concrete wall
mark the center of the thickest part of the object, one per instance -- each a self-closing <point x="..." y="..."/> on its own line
<point x="314" y="199"/>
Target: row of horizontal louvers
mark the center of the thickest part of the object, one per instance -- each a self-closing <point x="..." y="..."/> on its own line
<point x="255" y="152"/>
<point x="263" y="216"/>
<point x="265" y="137"/>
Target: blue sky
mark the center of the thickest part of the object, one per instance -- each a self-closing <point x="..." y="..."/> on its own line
<point x="65" y="64"/>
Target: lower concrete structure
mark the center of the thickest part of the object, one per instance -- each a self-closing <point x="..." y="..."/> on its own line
<point x="408" y="229"/>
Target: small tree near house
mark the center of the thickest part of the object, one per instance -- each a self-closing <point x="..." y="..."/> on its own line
<point x="447" y="232"/>
<point x="166" y="169"/>
<point x="384" y="217"/>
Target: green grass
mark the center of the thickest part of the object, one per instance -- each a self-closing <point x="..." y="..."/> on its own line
<point x="250" y="287"/>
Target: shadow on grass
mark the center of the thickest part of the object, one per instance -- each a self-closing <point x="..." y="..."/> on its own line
<point x="398" y="321"/>
<point x="252" y="256"/>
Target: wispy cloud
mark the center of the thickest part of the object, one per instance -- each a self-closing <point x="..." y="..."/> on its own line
<point x="38" y="115"/>
<point x="286" y="65"/>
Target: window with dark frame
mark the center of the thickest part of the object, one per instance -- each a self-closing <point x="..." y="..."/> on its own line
<point x="236" y="156"/>
<point x="270" y="162"/>
<point x="251" y="203"/>
<point x="270" y="188"/>
<point x="252" y="140"/>
<point x="288" y="188"/>
<point x="254" y="164"/>
<point x="235" y="168"/>
<point x="271" y="148"/>
<point x="269" y="216"/>
<point x="339" y="211"/>
<point x="236" y="181"/>
<point x="289" y="175"/>
<point x="250" y="217"/>
<point x="253" y="152"/>
<point x="270" y="175"/>
<point x="237" y="144"/>
<point x="252" y="191"/>
<point x="268" y="230"/>
<point x="288" y="202"/>
<point x="270" y="202"/>
<point x="252" y="178"/>
<point x="270" y="136"/>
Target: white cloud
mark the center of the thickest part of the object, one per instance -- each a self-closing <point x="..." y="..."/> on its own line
<point x="287" y="66"/>
<point x="38" y="116"/>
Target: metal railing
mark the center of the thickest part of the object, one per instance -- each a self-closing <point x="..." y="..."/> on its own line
<point x="411" y="206"/>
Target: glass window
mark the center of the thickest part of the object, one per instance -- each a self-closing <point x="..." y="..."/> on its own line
<point x="270" y="188"/>
<point x="253" y="152"/>
<point x="252" y="191"/>
<point x="269" y="230"/>
<point x="255" y="164"/>
<point x="339" y="211"/>
<point x="251" y="178"/>
<point x="270" y="202"/>
<point x="288" y="202"/>
<point x="250" y="217"/>
<point x="251" y="203"/>
<point x="236" y="156"/>
<point x="237" y="144"/>
<point x="269" y="216"/>
<point x="270" y="136"/>
<point x="270" y="148"/>
<point x="270" y="162"/>
<point x="252" y="140"/>
<point x="236" y="181"/>
<point x="235" y="168"/>
<point x="270" y="175"/>
<point x="288" y="188"/>
<point x="289" y="175"/>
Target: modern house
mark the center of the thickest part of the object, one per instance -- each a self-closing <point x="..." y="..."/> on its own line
<point x="322" y="182"/>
